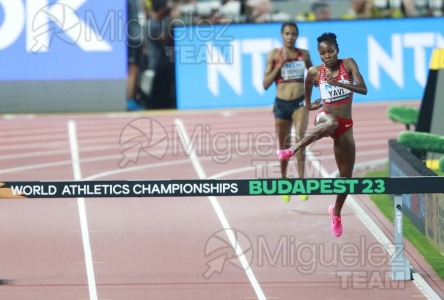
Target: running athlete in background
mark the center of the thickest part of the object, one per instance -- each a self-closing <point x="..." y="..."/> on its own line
<point x="338" y="79"/>
<point x="286" y="67"/>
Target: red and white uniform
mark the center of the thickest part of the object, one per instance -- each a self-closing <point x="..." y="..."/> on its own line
<point x="335" y="95"/>
<point x="293" y="70"/>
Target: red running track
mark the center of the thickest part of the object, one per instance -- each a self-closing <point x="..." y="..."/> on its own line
<point x="177" y="248"/>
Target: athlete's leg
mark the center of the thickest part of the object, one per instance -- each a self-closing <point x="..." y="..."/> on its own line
<point x="283" y="132"/>
<point x="325" y="126"/>
<point x="345" y="153"/>
<point x="300" y="120"/>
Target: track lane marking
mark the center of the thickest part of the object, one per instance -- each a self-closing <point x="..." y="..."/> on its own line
<point x="82" y="212"/>
<point x="219" y="212"/>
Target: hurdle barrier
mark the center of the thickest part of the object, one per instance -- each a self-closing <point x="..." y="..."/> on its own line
<point x="396" y="186"/>
<point x="221" y="187"/>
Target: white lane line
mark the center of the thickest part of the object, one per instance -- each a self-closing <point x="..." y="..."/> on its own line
<point x="82" y="212"/>
<point x="219" y="212"/>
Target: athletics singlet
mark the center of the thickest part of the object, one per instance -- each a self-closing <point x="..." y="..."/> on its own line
<point x="335" y="95"/>
<point x="292" y="70"/>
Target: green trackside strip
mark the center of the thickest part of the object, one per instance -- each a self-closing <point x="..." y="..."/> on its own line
<point x="403" y="114"/>
<point x="221" y="187"/>
<point x="422" y="141"/>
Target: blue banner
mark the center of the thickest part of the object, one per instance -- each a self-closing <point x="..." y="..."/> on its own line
<point x="51" y="40"/>
<point x="223" y="65"/>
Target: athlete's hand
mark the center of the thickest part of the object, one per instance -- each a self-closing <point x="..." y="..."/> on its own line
<point x="283" y="58"/>
<point x="332" y="81"/>
<point x="284" y="55"/>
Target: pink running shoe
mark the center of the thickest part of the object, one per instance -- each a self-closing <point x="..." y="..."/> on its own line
<point x="284" y="154"/>
<point x="336" y="224"/>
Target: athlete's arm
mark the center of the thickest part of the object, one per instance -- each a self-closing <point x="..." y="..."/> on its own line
<point x="312" y="75"/>
<point x="352" y="68"/>
<point x="270" y="71"/>
<point x="307" y="58"/>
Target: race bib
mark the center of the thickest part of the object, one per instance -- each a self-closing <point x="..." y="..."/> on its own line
<point x="331" y="94"/>
<point x="293" y="70"/>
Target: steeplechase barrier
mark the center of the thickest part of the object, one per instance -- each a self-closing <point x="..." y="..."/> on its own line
<point x="396" y="186"/>
<point x="221" y="187"/>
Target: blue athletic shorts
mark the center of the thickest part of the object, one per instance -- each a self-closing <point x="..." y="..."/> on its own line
<point x="284" y="109"/>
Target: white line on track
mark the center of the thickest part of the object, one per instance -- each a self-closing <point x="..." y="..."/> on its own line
<point x="82" y="212"/>
<point x="219" y="212"/>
